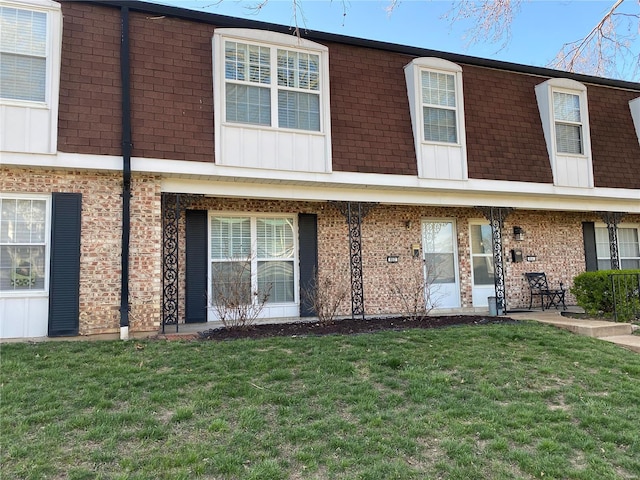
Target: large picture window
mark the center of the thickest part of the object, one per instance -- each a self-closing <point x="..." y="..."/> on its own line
<point x="628" y="248"/>
<point x="270" y="86"/>
<point x="23" y="54"/>
<point x="252" y="256"/>
<point x="23" y="244"/>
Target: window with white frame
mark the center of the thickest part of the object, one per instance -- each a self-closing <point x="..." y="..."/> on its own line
<point x="568" y="122"/>
<point x="252" y="256"/>
<point x="439" y="106"/>
<point x="628" y="248"/>
<point x="271" y="105"/>
<point x="436" y="105"/>
<point x="271" y="86"/>
<point x="564" y="114"/>
<point x="23" y="244"/>
<point x="23" y="54"/>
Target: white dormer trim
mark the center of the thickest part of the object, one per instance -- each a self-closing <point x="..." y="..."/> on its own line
<point x="270" y="146"/>
<point x="634" y="106"/>
<point x="436" y="159"/>
<point x="29" y="126"/>
<point x="569" y="169"/>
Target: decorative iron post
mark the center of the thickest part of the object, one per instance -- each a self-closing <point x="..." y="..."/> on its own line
<point x="612" y="219"/>
<point x="354" y="213"/>
<point x="173" y="204"/>
<point x="496" y="217"/>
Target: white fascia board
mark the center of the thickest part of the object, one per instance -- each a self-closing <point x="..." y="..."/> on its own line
<point x="209" y="179"/>
<point x="236" y="188"/>
<point x="62" y="160"/>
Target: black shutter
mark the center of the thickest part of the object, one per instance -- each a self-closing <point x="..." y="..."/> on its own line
<point x="590" y="254"/>
<point x="64" y="277"/>
<point x="308" y="241"/>
<point x="196" y="268"/>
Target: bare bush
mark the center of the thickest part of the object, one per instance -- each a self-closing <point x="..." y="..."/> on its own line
<point x="416" y="290"/>
<point x="325" y="293"/>
<point x="235" y="302"/>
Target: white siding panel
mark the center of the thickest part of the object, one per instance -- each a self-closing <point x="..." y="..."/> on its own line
<point x="573" y="171"/>
<point x="23" y="317"/>
<point x="442" y="162"/>
<point x="285" y="153"/>
<point x="272" y="149"/>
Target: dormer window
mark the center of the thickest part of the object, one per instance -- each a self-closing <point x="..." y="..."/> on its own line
<point x="30" y="59"/>
<point x="254" y="95"/>
<point x="565" y="122"/>
<point x="23" y="54"/>
<point x="436" y="104"/>
<point x="271" y="101"/>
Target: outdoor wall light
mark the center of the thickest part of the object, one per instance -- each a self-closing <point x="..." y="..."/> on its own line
<point x="407" y="224"/>
<point x="518" y="233"/>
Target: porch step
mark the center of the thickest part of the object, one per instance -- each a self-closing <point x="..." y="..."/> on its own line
<point x="630" y="342"/>
<point x="590" y="328"/>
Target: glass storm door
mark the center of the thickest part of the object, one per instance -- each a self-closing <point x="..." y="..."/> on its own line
<point x="442" y="289"/>
<point x="482" y="264"/>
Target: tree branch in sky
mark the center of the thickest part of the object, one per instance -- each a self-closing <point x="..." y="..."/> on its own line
<point x="606" y="48"/>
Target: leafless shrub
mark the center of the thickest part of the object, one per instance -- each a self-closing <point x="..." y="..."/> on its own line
<point x="235" y="302"/>
<point x="325" y="293"/>
<point x="416" y="290"/>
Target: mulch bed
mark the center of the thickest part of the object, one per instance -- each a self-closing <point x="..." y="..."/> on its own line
<point x="347" y="326"/>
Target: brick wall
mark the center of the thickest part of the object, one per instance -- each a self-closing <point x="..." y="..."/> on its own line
<point x="100" y="243"/>
<point x="555" y="238"/>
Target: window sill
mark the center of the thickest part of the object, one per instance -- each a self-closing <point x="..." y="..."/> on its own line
<point x="24" y="104"/>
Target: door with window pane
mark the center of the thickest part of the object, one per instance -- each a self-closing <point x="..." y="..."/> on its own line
<point x="253" y="259"/>
<point x="482" y="272"/>
<point x="439" y="248"/>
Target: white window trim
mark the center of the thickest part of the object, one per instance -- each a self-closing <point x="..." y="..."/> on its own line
<point x="53" y="62"/>
<point x="634" y="106"/>
<point x="274" y="40"/>
<point x="253" y="216"/>
<point x="544" y="95"/>
<point x="47" y="248"/>
<point x="601" y="225"/>
<point x="413" y="72"/>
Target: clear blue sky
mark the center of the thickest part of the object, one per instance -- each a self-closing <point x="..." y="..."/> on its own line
<point x="538" y="32"/>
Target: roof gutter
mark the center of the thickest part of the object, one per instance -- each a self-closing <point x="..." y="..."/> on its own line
<point x="126" y="172"/>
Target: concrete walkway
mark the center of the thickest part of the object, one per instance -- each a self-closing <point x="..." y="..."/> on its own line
<point x="615" y="332"/>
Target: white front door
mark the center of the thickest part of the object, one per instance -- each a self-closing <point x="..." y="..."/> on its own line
<point x="482" y="272"/>
<point x="439" y="246"/>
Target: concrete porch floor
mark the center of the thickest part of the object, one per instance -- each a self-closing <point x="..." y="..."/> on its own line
<point x="619" y="333"/>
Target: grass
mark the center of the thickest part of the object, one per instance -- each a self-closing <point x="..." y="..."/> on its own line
<point x="497" y="401"/>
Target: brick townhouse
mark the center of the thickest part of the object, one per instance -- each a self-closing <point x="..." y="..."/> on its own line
<point x="148" y="151"/>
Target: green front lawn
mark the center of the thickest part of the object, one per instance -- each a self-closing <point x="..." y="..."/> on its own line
<point x="489" y="402"/>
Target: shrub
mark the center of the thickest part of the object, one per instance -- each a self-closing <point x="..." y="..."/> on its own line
<point x="594" y="291"/>
<point x="237" y="305"/>
<point x="416" y="289"/>
<point x="326" y="293"/>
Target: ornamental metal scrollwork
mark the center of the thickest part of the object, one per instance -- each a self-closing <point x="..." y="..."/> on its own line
<point x="354" y="213"/>
<point x="496" y="217"/>
<point x="173" y="205"/>
<point x="612" y="219"/>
